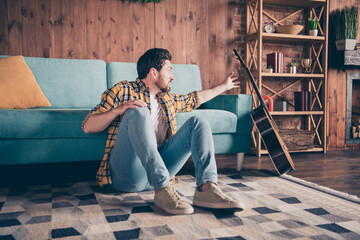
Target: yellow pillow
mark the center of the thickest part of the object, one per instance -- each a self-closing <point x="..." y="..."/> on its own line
<point x="18" y="86"/>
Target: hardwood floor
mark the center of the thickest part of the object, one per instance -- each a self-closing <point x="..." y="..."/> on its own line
<point x="339" y="170"/>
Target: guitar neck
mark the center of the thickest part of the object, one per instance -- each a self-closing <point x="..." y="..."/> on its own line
<point x="251" y="79"/>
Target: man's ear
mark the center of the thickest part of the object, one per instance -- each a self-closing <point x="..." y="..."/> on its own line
<point x="154" y="73"/>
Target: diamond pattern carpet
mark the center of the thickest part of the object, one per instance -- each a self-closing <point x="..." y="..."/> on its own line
<point x="275" y="209"/>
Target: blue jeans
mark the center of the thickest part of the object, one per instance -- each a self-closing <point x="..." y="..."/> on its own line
<point x="138" y="164"/>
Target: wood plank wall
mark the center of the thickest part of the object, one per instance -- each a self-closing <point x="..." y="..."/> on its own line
<point x="337" y="94"/>
<point x="197" y="32"/>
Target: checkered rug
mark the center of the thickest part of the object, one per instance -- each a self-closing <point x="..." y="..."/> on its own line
<point x="276" y="208"/>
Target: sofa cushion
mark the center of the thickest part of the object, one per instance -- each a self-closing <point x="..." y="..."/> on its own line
<point x="18" y="86"/>
<point x="69" y="83"/>
<point x="43" y="123"/>
<point x="186" y="76"/>
<point x="220" y="121"/>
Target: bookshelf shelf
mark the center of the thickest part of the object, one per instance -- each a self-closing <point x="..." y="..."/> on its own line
<point x="291" y="75"/>
<point x="314" y="47"/>
<point x="295" y="3"/>
<point x="296" y="113"/>
<point x="286" y="37"/>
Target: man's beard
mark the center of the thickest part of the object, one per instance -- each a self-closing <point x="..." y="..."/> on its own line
<point x="163" y="89"/>
<point x="167" y="89"/>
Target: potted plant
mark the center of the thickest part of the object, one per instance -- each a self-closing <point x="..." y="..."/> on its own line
<point x="313" y="25"/>
<point x="291" y="67"/>
<point x="269" y="69"/>
<point x="346" y="28"/>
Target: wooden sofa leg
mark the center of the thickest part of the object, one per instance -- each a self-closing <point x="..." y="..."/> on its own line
<point x="240" y="161"/>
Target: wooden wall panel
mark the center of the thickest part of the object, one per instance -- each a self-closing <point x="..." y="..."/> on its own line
<point x="105" y="31"/>
<point x="56" y="22"/>
<point x="92" y="29"/>
<point x="195" y="32"/>
<point x="116" y="27"/>
<point x="212" y="38"/>
<point x="80" y="29"/>
<point x="4" y="34"/>
<point x="67" y="29"/>
<point x="202" y="37"/>
<point x="191" y="46"/>
<point x="149" y="27"/>
<point x="170" y="29"/>
<point x="138" y="36"/>
<point x="28" y="12"/>
<point x="179" y="48"/>
<point x="337" y="95"/>
<point x="14" y="27"/>
<point x="126" y="33"/>
<point x="42" y="29"/>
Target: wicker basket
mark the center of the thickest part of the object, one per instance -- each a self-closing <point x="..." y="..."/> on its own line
<point x="289" y="29"/>
<point x="297" y="139"/>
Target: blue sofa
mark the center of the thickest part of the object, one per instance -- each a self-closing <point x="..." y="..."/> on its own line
<point x="74" y="87"/>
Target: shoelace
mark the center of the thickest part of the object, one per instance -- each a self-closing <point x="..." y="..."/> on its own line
<point x="218" y="192"/>
<point x="174" y="195"/>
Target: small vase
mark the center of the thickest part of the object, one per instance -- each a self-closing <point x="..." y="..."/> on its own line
<point x="292" y="69"/>
<point x="313" y="32"/>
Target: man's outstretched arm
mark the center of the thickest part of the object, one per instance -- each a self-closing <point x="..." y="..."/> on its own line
<point x="229" y="83"/>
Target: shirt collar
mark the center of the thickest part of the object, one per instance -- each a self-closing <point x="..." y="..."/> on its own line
<point x="143" y="87"/>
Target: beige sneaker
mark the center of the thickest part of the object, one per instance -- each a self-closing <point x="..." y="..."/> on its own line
<point x="168" y="199"/>
<point x="213" y="197"/>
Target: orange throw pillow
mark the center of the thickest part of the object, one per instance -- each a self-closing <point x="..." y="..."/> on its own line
<point x="18" y="86"/>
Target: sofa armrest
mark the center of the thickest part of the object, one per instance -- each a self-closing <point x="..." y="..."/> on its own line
<point x="239" y="104"/>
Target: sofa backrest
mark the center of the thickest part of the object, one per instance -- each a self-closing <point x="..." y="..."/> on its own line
<point x="187" y="76"/>
<point x="69" y="83"/>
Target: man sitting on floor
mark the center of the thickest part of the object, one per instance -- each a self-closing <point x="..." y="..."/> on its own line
<point x="144" y="150"/>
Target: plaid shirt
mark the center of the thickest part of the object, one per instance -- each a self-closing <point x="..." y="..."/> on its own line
<point x="125" y="91"/>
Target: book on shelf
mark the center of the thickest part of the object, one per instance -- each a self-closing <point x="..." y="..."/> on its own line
<point x="276" y="61"/>
<point x="303" y="100"/>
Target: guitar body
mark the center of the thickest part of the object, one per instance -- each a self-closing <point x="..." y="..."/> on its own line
<point x="266" y="126"/>
<point x="276" y="148"/>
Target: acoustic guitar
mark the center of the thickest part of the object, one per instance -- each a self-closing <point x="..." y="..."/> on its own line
<point x="265" y="124"/>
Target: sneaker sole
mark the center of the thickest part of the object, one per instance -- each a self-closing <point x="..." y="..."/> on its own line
<point x="177" y="211"/>
<point x="218" y="205"/>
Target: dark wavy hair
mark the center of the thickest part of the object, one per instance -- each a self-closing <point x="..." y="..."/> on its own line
<point x="152" y="58"/>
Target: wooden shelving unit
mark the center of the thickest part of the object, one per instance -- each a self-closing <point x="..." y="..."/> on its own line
<point x="317" y="50"/>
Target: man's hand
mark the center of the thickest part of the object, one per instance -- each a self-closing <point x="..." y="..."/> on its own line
<point x="99" y="121"/>
<point x="130" y="104"/>
<point x="230" y="82"/>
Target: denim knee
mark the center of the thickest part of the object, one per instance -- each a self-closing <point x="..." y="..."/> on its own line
<point x="200" y="122"/>
<point x="137" y="113"/>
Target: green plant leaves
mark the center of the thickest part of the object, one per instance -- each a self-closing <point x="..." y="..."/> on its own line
<point x="346" y="23"/>
<point x="313" y="23"/>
